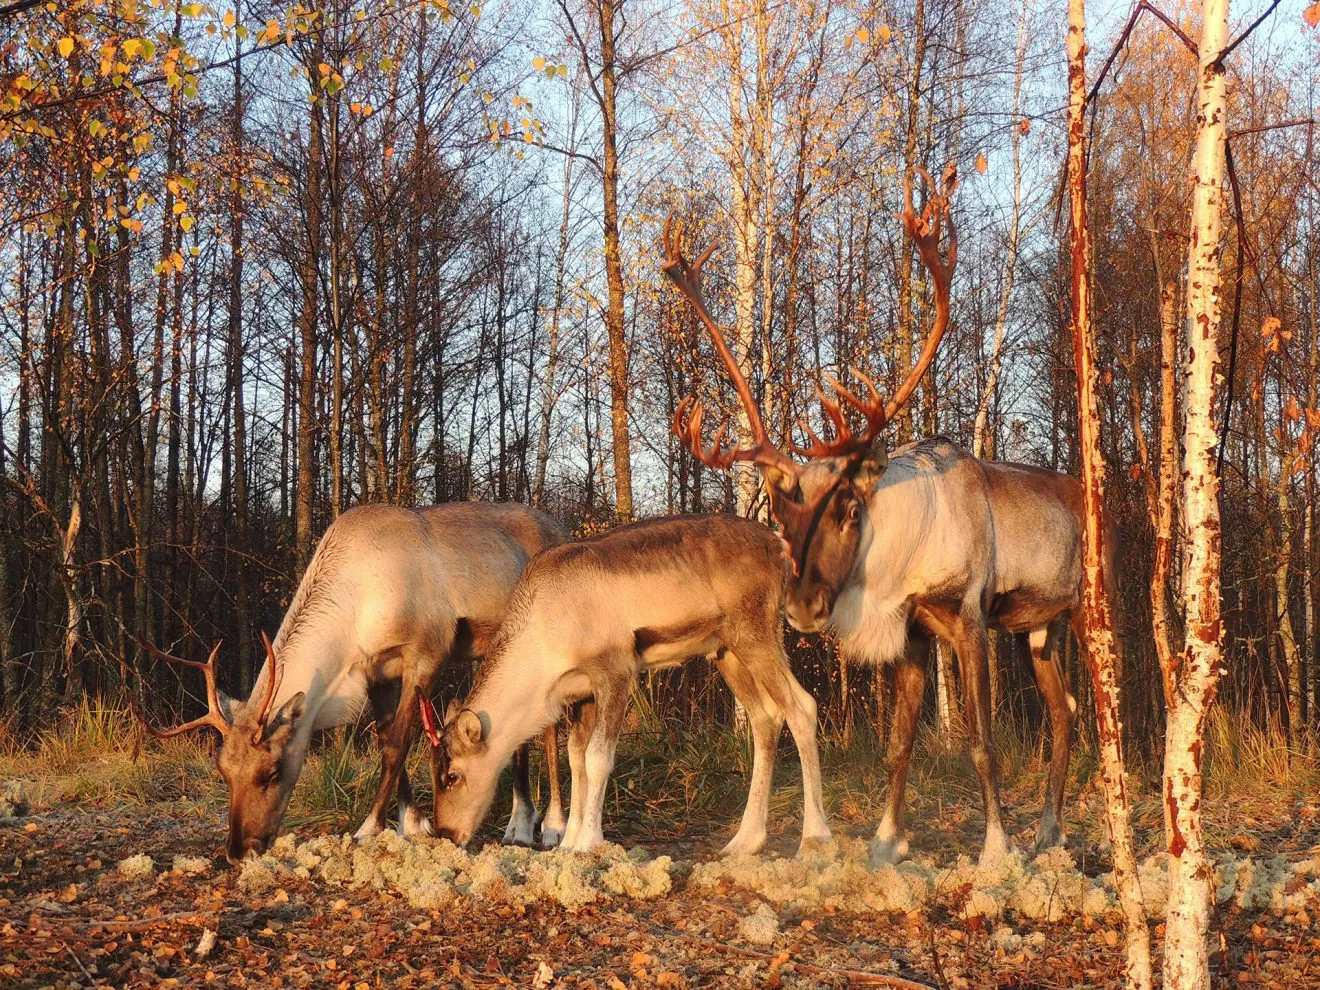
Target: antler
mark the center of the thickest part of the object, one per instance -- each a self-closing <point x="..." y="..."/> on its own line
<point x="686" y="276"/>
<point x="214" y="716"/>
<point x="925" y="231"/>
<point x="430" y="720"/>
<point x="273" y="679"/>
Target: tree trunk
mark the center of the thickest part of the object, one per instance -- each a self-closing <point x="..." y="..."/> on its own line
<point x="1097" y="628"/>
<point x="308" y="320"/>
<point x="236" y="207"/>
<point x="607" y="10"/>
<point x="1193" y="681"/>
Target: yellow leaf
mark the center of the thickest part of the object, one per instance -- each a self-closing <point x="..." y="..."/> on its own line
<point x="863" y="35"/>
<point x="229" y="18"/>
<point x="272" y="30"/>
<point x="884" y="34"/>
<point x="538" y="64"/>
<point x="186" y="223"/>
<point x="66" y="47"/>
<point x="180" y="207"/>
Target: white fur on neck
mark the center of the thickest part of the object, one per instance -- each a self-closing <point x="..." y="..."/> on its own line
<point x="872" y="612"/>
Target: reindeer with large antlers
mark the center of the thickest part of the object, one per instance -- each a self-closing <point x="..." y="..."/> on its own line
<point x="390" y="595"/>
<point x="890" y="551"/>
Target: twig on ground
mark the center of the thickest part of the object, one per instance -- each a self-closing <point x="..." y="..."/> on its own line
<point x="74" y="956"/>
<point x="143" y="924"/>
<point x="856" y="976"/>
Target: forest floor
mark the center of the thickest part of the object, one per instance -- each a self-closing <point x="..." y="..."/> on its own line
<point x="72" y="915"/>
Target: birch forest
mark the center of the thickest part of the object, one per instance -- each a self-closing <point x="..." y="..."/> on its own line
<point x="263" y="263"/>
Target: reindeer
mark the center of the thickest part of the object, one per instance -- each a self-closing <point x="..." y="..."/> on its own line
<point x="890" y="551"/>
<point x="390" y="595"/>
<point x="586" y="618"/>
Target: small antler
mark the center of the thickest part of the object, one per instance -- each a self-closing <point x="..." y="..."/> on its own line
<point x="214" y="716"/>
<point x="273" y="678"/>
<point x="430" y="721"/>
<point x="686" y="277"/>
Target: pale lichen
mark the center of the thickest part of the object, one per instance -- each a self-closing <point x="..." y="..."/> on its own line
<point x="761" y="926"/>
<point x="432" y="873"/>
<point x="139" y="867"/>
<point x="191" y="865"/>
<point x="14" y="800"/>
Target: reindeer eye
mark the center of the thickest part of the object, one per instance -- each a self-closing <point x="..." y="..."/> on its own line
<point x="854" y="510"/>
<point x="452" y="778"/>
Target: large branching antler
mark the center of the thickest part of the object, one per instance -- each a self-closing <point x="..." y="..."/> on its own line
<point x="925" y="231"/>
<point x="215" y="716"/>
<point x="686" y="276"/>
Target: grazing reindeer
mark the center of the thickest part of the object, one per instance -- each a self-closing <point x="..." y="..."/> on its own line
<point x="585" y="618"/>
<point x="389" y="596"/>
<point x="890" y="551"/>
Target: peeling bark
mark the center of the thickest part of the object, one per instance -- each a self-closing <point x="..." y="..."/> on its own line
<point x="1192" y="684"/>
<point x="1097" y="630"/>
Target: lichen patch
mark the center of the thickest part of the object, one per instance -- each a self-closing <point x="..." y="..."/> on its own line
<point x="432" y="873"/>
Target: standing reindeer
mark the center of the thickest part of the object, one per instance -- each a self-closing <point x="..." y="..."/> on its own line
<point x="390" y="595"/>
<point x="890" y="551"/>
<point x="586" y="618"/>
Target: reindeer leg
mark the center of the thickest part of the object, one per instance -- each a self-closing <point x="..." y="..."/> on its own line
<point x="521" y="829"/>
<point x="611" y="695"/>
<point x="767" y="720"/>
<point x="554" y="823"/>
<point x="383" y="707"/>
<point x="1045" y="643"/>
<point x="579" y="734"/>
<point x="890" y="844"/>
<point x="969" y="642"/>
<point x="768" y="664"/>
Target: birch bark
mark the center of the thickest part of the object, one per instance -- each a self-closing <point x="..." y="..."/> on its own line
<point x="1097" y="630"/>
<point x="1191" y="684"/>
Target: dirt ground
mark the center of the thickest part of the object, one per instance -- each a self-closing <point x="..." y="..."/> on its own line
<point x="69" y="917"/>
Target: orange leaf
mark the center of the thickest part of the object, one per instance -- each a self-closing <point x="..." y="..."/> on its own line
<point x="1311" y="15"/>
<point x="981" y="163"/>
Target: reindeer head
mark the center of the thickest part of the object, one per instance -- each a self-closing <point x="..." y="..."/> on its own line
<point x="259" y="759"/>
<point x="464" y="768"/>
<point x="821" y="506"/>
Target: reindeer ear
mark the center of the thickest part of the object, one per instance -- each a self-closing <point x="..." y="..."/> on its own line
<point x="779" y="480"/>
<point x="228" y="706"/>
<point x="281" y="725"/>
<point x="871" y="466"/>
<point x="471" y="727"/>
<point x="451" y="711"/>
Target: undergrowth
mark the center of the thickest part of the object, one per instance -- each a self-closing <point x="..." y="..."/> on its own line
<point x="678" y="778"/>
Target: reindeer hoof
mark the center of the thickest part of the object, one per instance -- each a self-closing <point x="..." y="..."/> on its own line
<point x="1048" y="840"/>
<point x="887" y="852"/>
<point x="744" y="845"/>
<point x="551" y="836"/>
<point x="811" y="843"/>
<point x="414" y="822"/>
<point x="368" y="830"/>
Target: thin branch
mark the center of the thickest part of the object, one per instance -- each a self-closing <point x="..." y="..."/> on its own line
<point x="1246" y="34"/>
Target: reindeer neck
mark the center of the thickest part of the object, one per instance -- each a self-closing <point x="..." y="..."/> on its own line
<point x="317" y="656"/>
<point x="518" y="694"/>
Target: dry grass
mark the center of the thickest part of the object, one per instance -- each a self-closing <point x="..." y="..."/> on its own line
<point x="675" y="779"/>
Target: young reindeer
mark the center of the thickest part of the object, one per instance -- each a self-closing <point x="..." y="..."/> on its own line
<point x="586" y="618"/>
<point x="390" y="595"/>
<point x="890" y="551"/>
